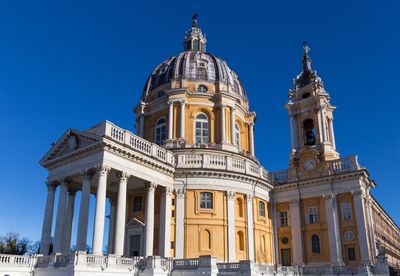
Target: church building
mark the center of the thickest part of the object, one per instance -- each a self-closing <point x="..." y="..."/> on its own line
<point x="186" y="194"/>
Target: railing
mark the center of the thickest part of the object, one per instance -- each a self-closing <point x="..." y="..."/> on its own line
<point x="16" y="260"/>
<point x="338" y="166"/>
<point x="228" y="268"/>
<point x="96" y="260"/>
<point x="180" y="264"/>
<point x="132" y="141"/>
<point x="221" y="162"/>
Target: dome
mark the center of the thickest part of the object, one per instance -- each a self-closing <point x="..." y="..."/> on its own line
<point x="195" y="64"/>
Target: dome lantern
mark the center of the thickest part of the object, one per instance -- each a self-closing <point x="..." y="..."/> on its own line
<point x="194" y="38"/>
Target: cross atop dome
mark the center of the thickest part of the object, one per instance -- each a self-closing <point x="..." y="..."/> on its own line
<point x="194" y="38"/>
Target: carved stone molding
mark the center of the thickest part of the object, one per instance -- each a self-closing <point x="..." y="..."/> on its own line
<point x="51" y="186"/>
<point x="151" y="187"/>
<point x="358" y="193"/>
<point x="231" y="195"/>
<point x="330" y="196"/>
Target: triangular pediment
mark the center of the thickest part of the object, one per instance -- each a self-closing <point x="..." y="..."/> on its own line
<point x="134" y="222"/>
<point x="72" y="140"/>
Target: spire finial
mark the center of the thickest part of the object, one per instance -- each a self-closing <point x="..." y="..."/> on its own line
<point x="194" y="20"/>
<point x="306" y="58"/>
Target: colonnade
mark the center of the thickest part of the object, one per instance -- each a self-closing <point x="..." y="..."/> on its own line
<point x="117" y="229"/>
<point x="222" y="124"/>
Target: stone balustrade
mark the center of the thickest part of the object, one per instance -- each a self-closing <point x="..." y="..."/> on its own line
<point x="168" y="266"/>
<point x="129" y="140"/>
<point x="221" y="162"/>
<point x="342" y="165"/>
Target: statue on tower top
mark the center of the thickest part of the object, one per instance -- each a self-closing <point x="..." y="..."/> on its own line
<point x="194" y="20"/>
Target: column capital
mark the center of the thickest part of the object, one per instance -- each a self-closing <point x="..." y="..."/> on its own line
<point x="123" y="176"/>
<point x="170" y="102"/>
<point x="50" y="185"/>
<point x="231" y="195"/>
<point x="233" y="107"/>
<point x="151" y="186"/>
<point x="251" y="124"/>
<point x="330" y="196"/>
<point x="166" y="191"/>
<point x="102" y="169"/>
<point x="86" y="173"/>
<point x="294" y="203"/>
<point x="360" y="193"/>
<point x="71" y="192"/>
<point x="182" y="101"/>
<point x="180" y="193"/>
<point x="249" y="197"/>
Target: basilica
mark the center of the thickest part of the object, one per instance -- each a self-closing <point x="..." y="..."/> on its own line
<point x="185" y="195"/>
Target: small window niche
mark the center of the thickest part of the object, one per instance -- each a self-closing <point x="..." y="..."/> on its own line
<point x="309" y="132"/>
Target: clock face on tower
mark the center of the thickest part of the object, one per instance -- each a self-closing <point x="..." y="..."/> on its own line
<point x="309" y="164"/>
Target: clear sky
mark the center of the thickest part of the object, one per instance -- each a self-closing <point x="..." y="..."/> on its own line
<point x="72" y="64"/>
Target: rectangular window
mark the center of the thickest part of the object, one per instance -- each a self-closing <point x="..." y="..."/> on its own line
<point x="351" y="253"/>
<point x="346" y="210"/>
<point x="312" y="215"/>
<point x="173" y="202"/>
<point x="284" y="219"/>
<point x="173" y="213"/>
<point x="206" y="200"/>
<point x="261" y="209"/>
<point x="172" y="245"/>
<point x="137" y="204"/>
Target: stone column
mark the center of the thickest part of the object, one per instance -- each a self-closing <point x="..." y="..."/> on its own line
<point x="47" y="220"/>
<point x="69" y="221"/>
<point x="250" y="227"/>
<point x="141" y="125"/>
<point x="323" y="126"/>
<point x="293" y="132"/>
<point x="230" y="196"/>
<point x="151" y="188"/>
<point x="372" y="228"/>
<point x="182" y="128"/>
<point x="295" y="223"/>
<point x="332" y="218"/>
<point x="275" y="221"/>
<point x="223" y="124"/>
<point x="251" y="136"/>
<point x="180" y="224"/>
<point x="111" y="228"/>
<point x="98" y="232"/>
<point x="60" y="221"/>
<point x="121" y="214"/>
<point x="332" y="133"/>
<point x="233" y="126"/>
<point x="359" y="204"/>
<point x="83" y="212"/>
<point x="165" y="222"/>
<point x="170" y="119"/>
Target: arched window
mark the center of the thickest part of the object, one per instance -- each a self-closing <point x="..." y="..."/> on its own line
<point x="309" y="132"/>
<point x="206" y="200"/>
<point x="315" y="246"/>
<point x="205" y="239"/>
<point x="240" y="240"/>
<point x="201" y="129"/>
<point x="239" y="204"/>
<point x="237" y="135"/>
<point x="160" y="132"/>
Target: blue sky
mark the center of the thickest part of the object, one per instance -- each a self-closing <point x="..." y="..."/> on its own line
<point x="75" y="63"/>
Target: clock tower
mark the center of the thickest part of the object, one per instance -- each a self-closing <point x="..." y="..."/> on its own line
<point x="311" y="121"/>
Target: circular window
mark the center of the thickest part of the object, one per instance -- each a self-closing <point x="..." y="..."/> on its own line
<point x="349" y="235"/>
<point x="202" y="89"/>
<point x="285" y="240"/>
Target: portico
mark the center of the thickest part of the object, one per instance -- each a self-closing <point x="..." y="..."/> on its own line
<point x="108" y="168"/>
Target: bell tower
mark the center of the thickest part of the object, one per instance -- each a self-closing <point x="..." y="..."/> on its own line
<point x="311" y="120"/>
